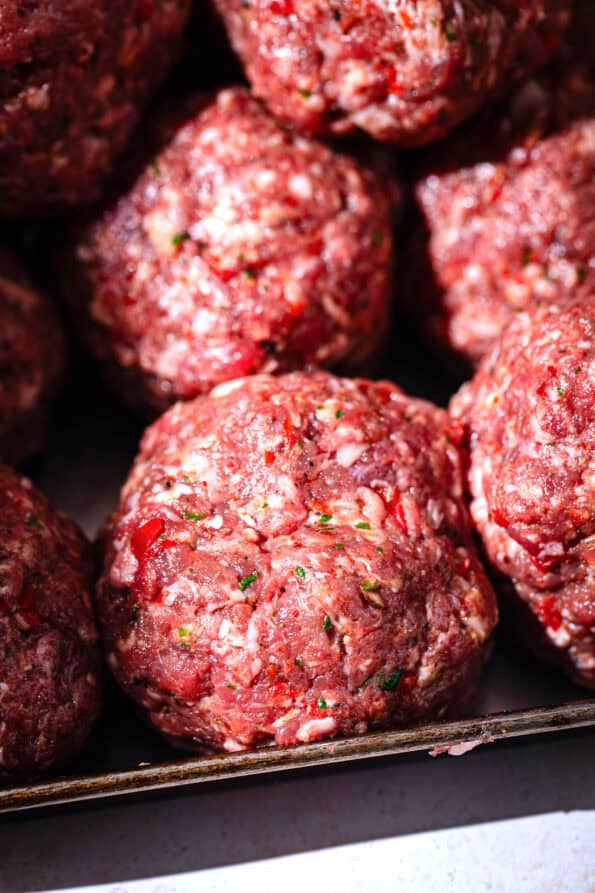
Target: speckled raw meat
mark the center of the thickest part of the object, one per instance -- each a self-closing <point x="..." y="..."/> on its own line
<point x="406" y="71"/>
<point x="31" y="361"/>
<point x="50" y="682"/>
<point x="238" y="249"/>
<point x="74" y="75"/>
<point x="291" y="560"/>
<point x="508" y="208"/>
<point x="530" y="421"/>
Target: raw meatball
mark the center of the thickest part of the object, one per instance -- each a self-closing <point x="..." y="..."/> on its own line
<point x="530" y="418"/>
<point x="73" y="76"/>
<point x="50" y="685"/>
<point x="508" y="208"/>
<point x="31" y="361"/>
<point x="291" y="560"/>
<point x="407" y="72"/>
<point x="240" y="248"/>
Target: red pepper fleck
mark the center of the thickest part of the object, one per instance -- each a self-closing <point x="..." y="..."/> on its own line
<point x="269" y="457"/>
<point x="281" y="7"/>
<point x="390" y="76"/>
<point x="145" y="535"/>
<point x="396" y="507"/>
<point x="288" y="430"/>
<point x="314" y="248"/>
<point x="548" y="613"/>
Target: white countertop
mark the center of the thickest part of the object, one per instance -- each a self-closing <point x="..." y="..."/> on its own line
<point x="516" y="817"/>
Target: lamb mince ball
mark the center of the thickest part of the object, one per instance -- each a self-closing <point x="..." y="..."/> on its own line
<point x="530" y="420"/>
<point x="74" y="75"/>
<point x="50" y="669"/>
<point x="31" y="361"/>
<point x="238" y="249"/>
<point x="507" y="208"/>
<point x="406" y="72"/>
<point x="291" y="560"/>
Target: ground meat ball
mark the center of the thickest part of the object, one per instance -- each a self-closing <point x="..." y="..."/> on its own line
<point x="530" y="417"/>
<point x="291" y="560"/>
<point x="508" y="211"/>
<point x="240" y="248"/>
<point x="50" y="690"/>
<point x="31" y="361"/>
<point x="73" y="75"/>
<point x="407" y="72"/>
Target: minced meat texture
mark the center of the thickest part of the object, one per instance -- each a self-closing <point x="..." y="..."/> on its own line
<point x="530" y="426"/>
<point x="74" y="75"/>
<point x="508" y="208"/>
<point x="238" y="249"/>
<point x="31" y="361"/>
<point x="291" y="560"/>
<point x="50" y="677"/>
<point x="406" y="72"/>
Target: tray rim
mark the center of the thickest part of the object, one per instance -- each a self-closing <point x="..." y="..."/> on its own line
<point x="435" y="737"/>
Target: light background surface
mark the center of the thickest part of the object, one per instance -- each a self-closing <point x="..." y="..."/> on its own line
<point x="516" y="817"/>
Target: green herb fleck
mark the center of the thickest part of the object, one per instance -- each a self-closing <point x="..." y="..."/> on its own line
<point x="247" y="580"/>
<point x="380" y="549"/>
<point x="299" y="662"/>
<point x="377" y="238"/>
<point x="178" y="238"/>
<point x="250" y="274"/>
<point x="339" y="546"/>
<point x="300" y="572"/>
<point x="339" y="414"/>
<point x="156" y="167"/>
<point x="265" y="505"/>
<point x="232" y="687"/>
<point x="578" y="370"/>
<point x="321" y="703"/>
<point x="324" y="519"/>
<point x="389" y="683"/>
<point x="135" y="611"/>
<point x="186" y="479"/>
<point x="305" y="93"/>
<point x="363" y="525"/>
<point x="369" y="586"/>
<point x="182" y="632"/>
<point x="327" y="623"/>
<point x="34" y="520"/>
<point x="363" y="684"/>
<point x="525" y="256"/>
<point x="560" y="390"/>
<point x="550" y="443"/>
<point x="450" y="32"/>
<point x="193" y="516"/>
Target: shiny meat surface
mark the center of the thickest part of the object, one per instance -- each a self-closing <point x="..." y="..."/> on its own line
<point x="406" y="71"/>
<point x="238" y="249"/>
<point x="530" y="427"/>
<point x="292" y="560"/>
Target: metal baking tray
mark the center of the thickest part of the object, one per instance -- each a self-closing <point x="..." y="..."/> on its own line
<point x="91" y="448"/>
